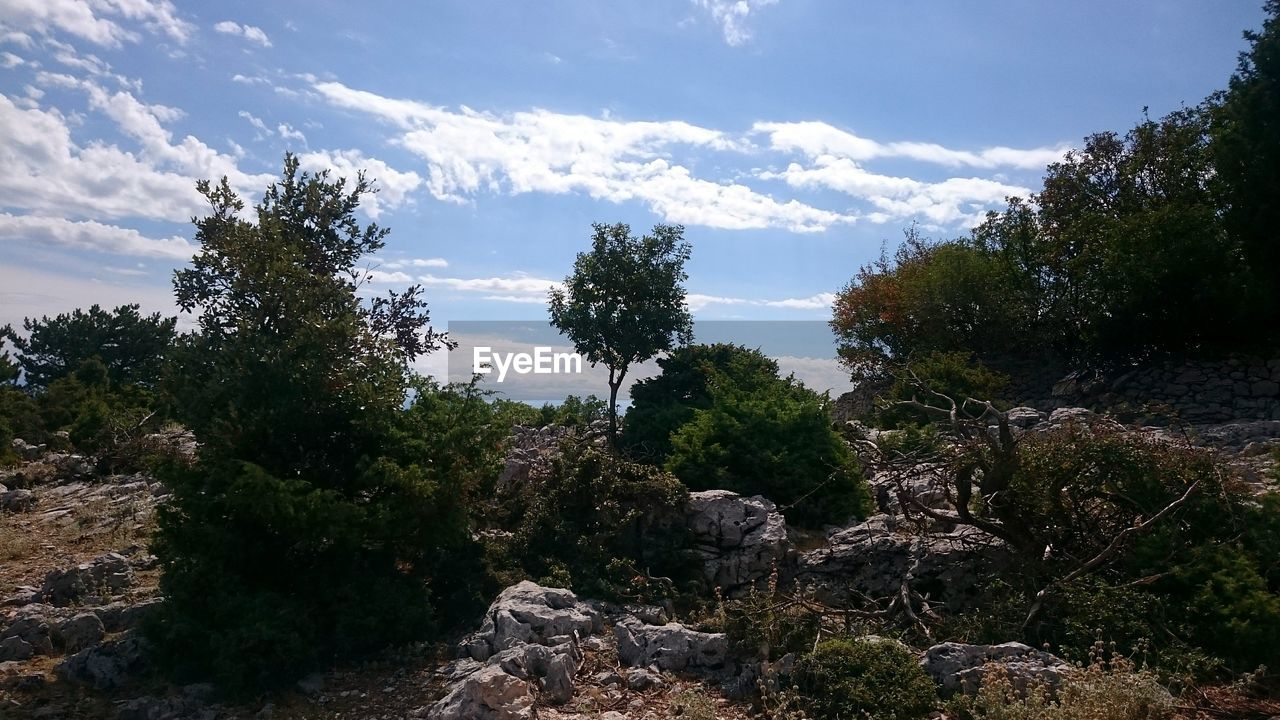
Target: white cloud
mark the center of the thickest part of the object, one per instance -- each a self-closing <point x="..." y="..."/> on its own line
<point x="288" y="132"/>
<point x="732" y="15"/>
<point x="249" y="79"/>
<point x="9" y="60"/>
<point x="816" y="139"/>
<point x="417" y="263"/>
<point x="821" y="301"/>
<point x="98" y="21"/>
<point x="255" y="121"/>
<point x="91" y="235"/>
<point x="519" y="287"/>
<point x="248" y="32"/>
<point x="394" y="187"/>
<point x="468" y="152"/>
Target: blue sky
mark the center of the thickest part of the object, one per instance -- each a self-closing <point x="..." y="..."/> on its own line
<point x="792" y="138"/>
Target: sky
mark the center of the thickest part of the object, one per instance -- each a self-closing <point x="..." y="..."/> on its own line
<point x="793" y="139"/>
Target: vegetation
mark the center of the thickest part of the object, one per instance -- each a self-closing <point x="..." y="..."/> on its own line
<point x="312" y="525"/>
<point x="720" y="417"/>
<point x="864" y="677"/>
<point x="602" y="526"/>
<point x="624" y="302"/>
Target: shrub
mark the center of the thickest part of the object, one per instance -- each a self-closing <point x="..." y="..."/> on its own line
<point x="777" y="442"/>
<point x="1115" y="690"/>
<point x="602" y="525"/>
<point x="848" y="678"/>
<point x="662" y="404"/>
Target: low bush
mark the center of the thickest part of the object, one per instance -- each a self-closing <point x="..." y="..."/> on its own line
<point x="958" y="375"/>
<point x="850" y="678"/>
<point x="601" y="525"/>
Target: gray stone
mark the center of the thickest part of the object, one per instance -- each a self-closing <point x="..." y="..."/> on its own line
<point x="26" y="450"/>
<point x="120" y="616"/>
<point x="671" y="647"/>
<point x="642" y="679"/>
<point x="958" y="668"/>
<point x="1024" y="417"/>
<point x="740" y="539"/>
<point x="109" y="665"/>
<point x="530" y="613"/>
<point x="872" y="558"/>
<point x="17" y="501"/>
<point x="488" y="694"/>
<point x="80" y="632"/>
<point x="33" y="627"/>
<point x="15" y="648"/>
<point x="1265" y="388"/>
<point x="110" y="574"/>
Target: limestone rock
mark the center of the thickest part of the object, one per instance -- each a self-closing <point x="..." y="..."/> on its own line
<point x="106" y="666"/>
<point x="15" y="648"/>
<point x="82" y="631"/>
<point x="957" y="667"/>
<point x="110" y="573"/>
<point x="487" y="694"/>
<point x="17" y="501"/>
<point x="671" y="647"/>
<point x="530" y="613"/>
<point x="740" y="539"/>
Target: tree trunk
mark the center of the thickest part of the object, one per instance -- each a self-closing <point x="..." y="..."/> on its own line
<point x="615" y="382"/>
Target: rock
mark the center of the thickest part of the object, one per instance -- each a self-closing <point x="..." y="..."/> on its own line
<point x="108" y="573"/>
<point x="121" y="616"/>
<point x="32" y="627"/>
<point x="642" y="679"/>
<point x="671" y="647"/>
<point x="530" y="613"/>
<point x="740" y="539"/>
<point x="15" y="648"/>
<point x="488" y="694"/>
<point x="82" y="631"/>
<point x="26" y="450"/>
<point x="925" y="483"/>
<point x="107" y="666"/>
<point x="957" y="667"/>
<point x="1069" y="415"/>
<point x="17" y="501"/>
<point x="1024" y="417"/>
<point x="873" y="557"/>
<point x="312" y="684"/>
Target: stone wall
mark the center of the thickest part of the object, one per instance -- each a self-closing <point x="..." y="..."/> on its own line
<point x="1193" y="391"/>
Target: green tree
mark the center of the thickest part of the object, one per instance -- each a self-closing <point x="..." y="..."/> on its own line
<point x="625" y="301"/>
<point x="131" y="346"/>
<point x="311" y="526"/>
<point x="1246" y="155"/>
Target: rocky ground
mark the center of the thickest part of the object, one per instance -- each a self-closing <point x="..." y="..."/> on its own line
<point x="76" y="579"/>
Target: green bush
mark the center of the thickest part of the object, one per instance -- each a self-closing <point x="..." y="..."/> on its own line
<point x="777" y="442"/>
<point x="602" y="525"/>
<point x="662" y="404"/>
<point x="852" y="678"/>
<point x="720" y="417"/>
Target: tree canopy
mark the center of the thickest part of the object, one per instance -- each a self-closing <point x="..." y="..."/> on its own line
<point x="625" y="301"/>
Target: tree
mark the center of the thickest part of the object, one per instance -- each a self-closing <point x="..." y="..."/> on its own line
<point x="1246" y="154"/>
<point x="313" y="523"/>
<point x="131" y="345"/>
<point x="625" y="301"/>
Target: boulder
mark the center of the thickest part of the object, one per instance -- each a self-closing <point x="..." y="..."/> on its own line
<point x="26" y="450"/>
<point x="958" y="668"/>
<point x="109" y="665"/>
<point x="487" y="694"/>
<point x="33" y="626"/>
<point x="872" y="558"/>
<point x="672" y="648"/>
<point x="82" y="631"/>
<point x="17" y="501"/>
<point x="121" y="616"/>
<point x="1024" y="417"/>
<point x="740" y="539"/>
<point x="15" y="648"/>
<point x="529" y="613"/>
<point x="109" y="574"/>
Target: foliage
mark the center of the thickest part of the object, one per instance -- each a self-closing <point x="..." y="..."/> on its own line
<point x="1246" y="159"/>
<point x="604" y="526"/>
<point x="1154" y="241"/>
<point x="625" y="301"/>
<point x="1102" y="690"/>
<point x="662" y="404"/>
<point x="764" y="625"/>
<point x="954" y="374"/>
<point x="848" y="678"/>
<point x="318" y="514"/>
<point x="776" y="441"/>
<point x="131" y="346"/>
